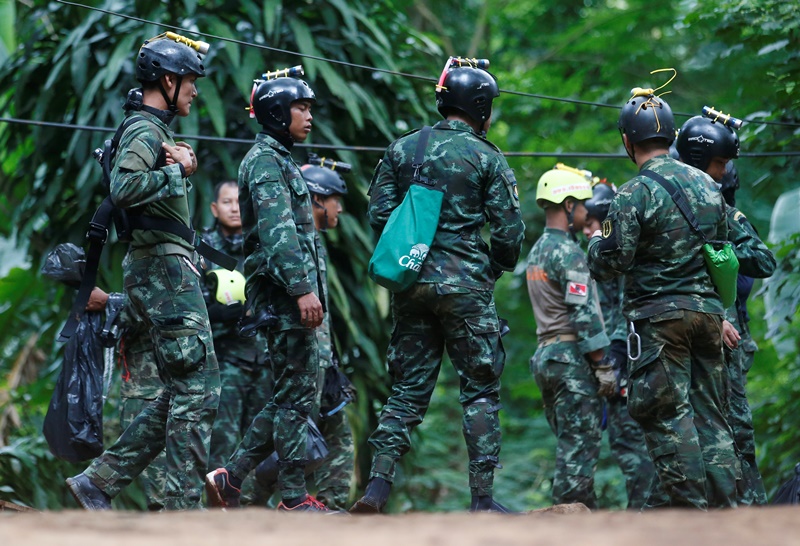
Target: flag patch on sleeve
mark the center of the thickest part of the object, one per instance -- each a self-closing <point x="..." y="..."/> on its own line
<point x="577" y="289"/>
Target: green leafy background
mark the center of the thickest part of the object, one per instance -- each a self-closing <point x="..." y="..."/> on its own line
<point x="65" y="64"/>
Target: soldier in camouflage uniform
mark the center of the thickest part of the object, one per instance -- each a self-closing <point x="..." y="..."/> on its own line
<point x="246" y="385"/>
<point x="451" y="305"/>
<point x="162" y="286"/>
<point x="281" y="271"/>
<point x="625" y="436"/>
<point x="569" y="364"/>
<point x="711" y="146"/>
<point x="678" y="384"/>
<point x="334" y="476"/>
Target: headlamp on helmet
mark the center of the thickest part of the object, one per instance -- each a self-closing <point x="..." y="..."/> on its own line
<point x="271" y="100"/>
<point x="701" y="139"/>
<point x="170" y="53"/>
<point x="465" y="85"/>
<point x="323" y="180"/>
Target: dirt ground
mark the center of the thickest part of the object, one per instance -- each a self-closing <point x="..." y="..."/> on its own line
<point x="744" y="526"/>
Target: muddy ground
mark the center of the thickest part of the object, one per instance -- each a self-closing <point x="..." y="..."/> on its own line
<point x="744" y="526"/>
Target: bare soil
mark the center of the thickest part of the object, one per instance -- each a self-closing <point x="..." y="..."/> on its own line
<point x="744" y="526"/>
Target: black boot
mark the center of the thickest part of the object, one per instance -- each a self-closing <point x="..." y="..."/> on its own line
<point x="485" y="503"/>
<point x="374" y="498"/>
<point x="88" y="495"/>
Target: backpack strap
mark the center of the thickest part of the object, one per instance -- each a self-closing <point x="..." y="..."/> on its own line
<point x="419" y="157"/>
<point x="677" y="194"/>
<point x="97" y="235"/>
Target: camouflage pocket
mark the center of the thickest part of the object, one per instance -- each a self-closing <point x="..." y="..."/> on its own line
<point x="651" y="390"/>
<point x="301" y="201"/>
<point x="485" y="349"/>
<point x="180" y="350"/>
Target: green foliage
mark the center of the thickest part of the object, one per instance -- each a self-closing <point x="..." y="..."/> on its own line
<point x="60" y="63"/>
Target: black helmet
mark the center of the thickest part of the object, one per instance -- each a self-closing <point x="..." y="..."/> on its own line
<point x="322" y="181"/>
<point x="161" y="56"/>
<point x="272" y="102"/>
<point x="646" y="116"/>
<point x="470" y="90"/>
<point x="702" y="139"/>
<point x="729" y="184"/>
<point x="602" y="195"/>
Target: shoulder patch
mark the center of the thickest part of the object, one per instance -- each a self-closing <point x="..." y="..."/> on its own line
<point x="608" y="228"/>
<point x="739" y="216"/>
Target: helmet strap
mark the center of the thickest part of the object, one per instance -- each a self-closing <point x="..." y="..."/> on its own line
<point x="570" y="219"/>
<point x="316" y="203"/>
<point x="172" y="104"/>
<point x="631" y="153"/>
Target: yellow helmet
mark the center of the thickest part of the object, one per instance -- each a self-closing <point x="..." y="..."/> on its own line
<point x="561" y="182"/>
<point x="228" y="286"/>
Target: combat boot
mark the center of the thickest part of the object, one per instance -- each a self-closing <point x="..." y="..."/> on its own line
<point x="488" y="504"/>
<point x="374" y="498"/>
<point x="220" y="492"/>
<point x="309" y="504"/>
<point x="88" y="495"/>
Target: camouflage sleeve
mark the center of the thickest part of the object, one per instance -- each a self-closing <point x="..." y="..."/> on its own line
<point x="755" y="259"/>
<point x="140" y="175"/>
<point x="505" y="220"/>
<point x="612" y="253"/>
<point x="583" y="305"/>
<point x="277" y="230"/>
<point x="383" y="193"/>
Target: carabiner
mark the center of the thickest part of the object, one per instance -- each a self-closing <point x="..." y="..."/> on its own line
<point x="633" y="335"/>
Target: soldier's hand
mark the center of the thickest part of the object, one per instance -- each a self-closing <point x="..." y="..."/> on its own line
<point x="97" y="300"/>
<point x="310" y="310"/>
<point x="729" y="335"/>
<point x="181" y="153"/>
<point x="606" y="379"/>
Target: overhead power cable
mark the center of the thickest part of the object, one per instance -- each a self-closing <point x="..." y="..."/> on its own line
<point x="373" y="68"/>
<point x="377" y="149"/>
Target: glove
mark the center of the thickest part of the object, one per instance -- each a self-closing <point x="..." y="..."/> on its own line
<point x="606" y="379"/>
<point x="218" y="312"/>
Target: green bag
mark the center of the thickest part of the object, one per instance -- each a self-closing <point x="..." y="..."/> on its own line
<point x="723" y="267"/>
<point x="406" y="239"/>
<point x="722" y="264"/>
<point x="409" y="232"/>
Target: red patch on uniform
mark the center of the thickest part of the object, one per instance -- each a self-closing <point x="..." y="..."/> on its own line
<point x="576" y="289"/>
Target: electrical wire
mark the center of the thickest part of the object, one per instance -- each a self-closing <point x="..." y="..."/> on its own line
<point x="350" y="148"/>
<point x="373" y="68"/>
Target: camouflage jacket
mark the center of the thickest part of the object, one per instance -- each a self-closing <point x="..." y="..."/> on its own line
<point x="563" y="295"/>
<point x="277" y="223"/>
<point x="227" y="341"/>
<point x="479" y="187"/>
<point x="755" y="259"/>
<point x="143" y="183"/>
<point x="610" y="294"/>
<point x="647" y="239"/>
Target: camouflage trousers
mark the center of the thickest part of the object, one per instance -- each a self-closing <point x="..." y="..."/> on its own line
<point x="333" y="479"/>
<point x="244" y="393"/>
<point x="164" y="294"/>
<point x="750" y="489"/>
<point x="574" y="412"/>
<point x="153" y="479"/>
<point x="626" y="440"/>
<point x="625" y="436"/>
<point x="427" y="319"/>
<point x="678" y="393"/>
<point x="281" y="425"/>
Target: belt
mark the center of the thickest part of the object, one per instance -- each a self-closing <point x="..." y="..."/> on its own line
<point x="162" y="249"/>
<point x="544" y="342"/>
